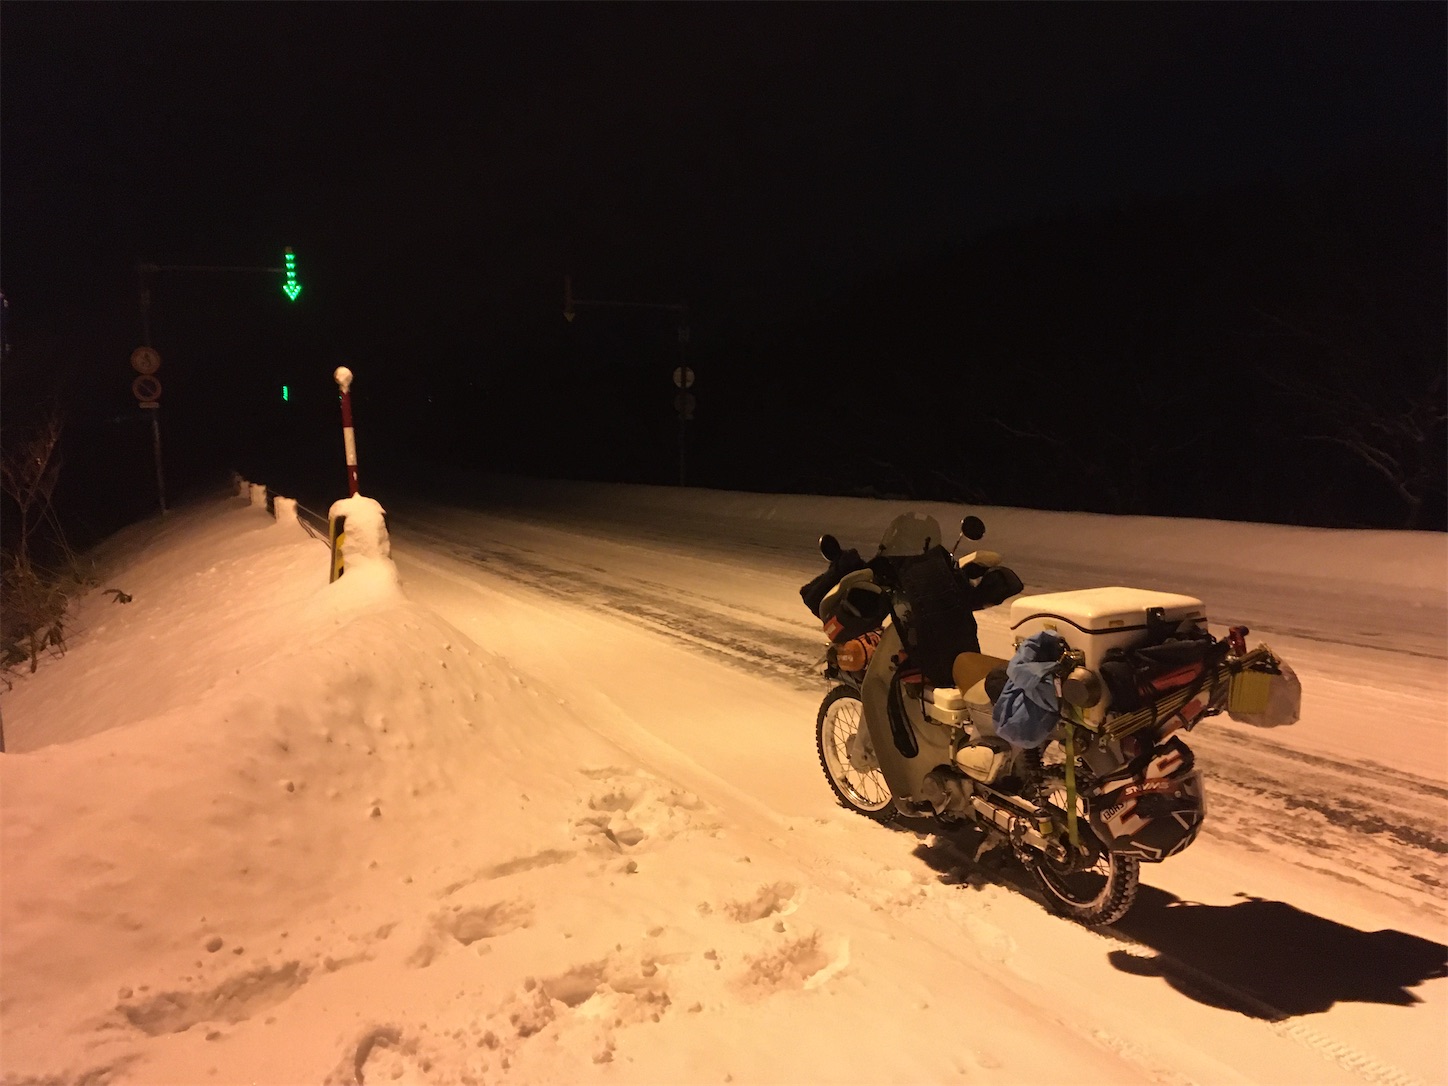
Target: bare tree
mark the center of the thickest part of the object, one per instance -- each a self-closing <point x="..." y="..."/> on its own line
<point x="1377" y="394"/>
<point x="29" y="469"/>
<point x="1119" y="463"/>
<point x="32" y="618"/>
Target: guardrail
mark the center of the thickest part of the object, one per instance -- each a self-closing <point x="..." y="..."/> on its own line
<point x="313" y="523"/>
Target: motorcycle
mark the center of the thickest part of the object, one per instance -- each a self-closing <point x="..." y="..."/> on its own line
<point x="1071" y="753"/>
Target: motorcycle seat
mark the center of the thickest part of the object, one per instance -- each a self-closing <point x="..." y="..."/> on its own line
<point x="971" y="668"/>
<point x="952" y="704"/>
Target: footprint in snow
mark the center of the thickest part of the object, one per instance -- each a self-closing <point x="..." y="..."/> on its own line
<point x="235" y="999"/>
<point x="800" y="962"/>
<point x="586" y="1004"/>
<point x="467" y="925"/>
<point x="625" y="810"/>
<point x="779" y="898"/>
<point x="380" y="1053"/>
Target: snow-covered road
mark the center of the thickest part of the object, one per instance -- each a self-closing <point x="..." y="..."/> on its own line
<point x="716" y="590"/>
<point x="1348" y="809"/>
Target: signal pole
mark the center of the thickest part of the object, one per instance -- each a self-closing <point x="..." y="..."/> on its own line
<point x="684" y="401"/>
<point x="146" y="362"/>
<point x="146" y="356"/>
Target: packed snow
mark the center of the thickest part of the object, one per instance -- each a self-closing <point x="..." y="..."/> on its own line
<point x="529" y="794"/>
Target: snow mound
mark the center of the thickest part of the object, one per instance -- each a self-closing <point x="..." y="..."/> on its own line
<point x="157" y="855"/>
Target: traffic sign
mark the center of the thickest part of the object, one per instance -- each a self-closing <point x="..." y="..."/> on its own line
<point x="684" y="404"/>
<point x="145" y="360"/>
<point x="146" y="388"/>
<point x="683" y="377"/>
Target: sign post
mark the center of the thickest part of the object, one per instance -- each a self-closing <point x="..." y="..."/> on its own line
<point x="684" y="401"/>
<point x="147" y="389"/>
<point x="343" y="377"/>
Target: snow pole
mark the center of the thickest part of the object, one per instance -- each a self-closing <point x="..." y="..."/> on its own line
<point x="343" y="377"/>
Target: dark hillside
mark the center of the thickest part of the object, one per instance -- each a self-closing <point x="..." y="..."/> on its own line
<point x="1273" y="353"/>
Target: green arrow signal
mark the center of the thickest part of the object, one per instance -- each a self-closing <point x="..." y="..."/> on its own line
<point x="291" y="288"/>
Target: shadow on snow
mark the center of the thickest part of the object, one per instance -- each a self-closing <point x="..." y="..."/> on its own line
<point x="1287" y="961"/>
<point x="1262" y="958"/>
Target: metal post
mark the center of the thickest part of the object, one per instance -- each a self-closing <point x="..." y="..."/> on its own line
<point x="156" y="453"/>
<point x="684" y="411"/>
<point x="570" y="307"/>
<point x="145" y="292"/>
<point x="145" y="295"/>
<point x="343" y="377"/>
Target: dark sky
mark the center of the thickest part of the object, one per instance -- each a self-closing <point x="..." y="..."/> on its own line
<point x="439" y="166"/>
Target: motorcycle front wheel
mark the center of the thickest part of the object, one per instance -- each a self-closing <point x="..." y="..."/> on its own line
<point x="848" y="757"/>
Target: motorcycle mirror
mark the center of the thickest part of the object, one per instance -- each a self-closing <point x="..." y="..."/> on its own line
<point x="830" y="547"/>
<point x="972" y="527"/>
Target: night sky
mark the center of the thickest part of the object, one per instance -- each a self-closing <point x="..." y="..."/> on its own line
<point x="439" y="168"/>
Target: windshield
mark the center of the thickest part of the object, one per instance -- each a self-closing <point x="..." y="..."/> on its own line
<point x="910" y="534"/>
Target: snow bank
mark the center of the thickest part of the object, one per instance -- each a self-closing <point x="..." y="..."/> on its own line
<point x="201" y="855"/>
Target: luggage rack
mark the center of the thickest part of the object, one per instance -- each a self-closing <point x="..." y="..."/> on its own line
<point x="1223" y="684"/>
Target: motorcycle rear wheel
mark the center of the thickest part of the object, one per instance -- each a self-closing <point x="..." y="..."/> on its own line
<point x="1096" y="891"/>
<point x="856" y="781"/>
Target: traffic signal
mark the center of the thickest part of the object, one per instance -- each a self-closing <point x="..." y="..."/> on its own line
<point x="291" y="288"/>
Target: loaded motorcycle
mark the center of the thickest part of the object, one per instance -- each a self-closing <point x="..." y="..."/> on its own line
<point x="1071" y="752"/>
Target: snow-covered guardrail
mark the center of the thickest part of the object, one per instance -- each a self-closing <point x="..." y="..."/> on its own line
<point x="367" y="514"/>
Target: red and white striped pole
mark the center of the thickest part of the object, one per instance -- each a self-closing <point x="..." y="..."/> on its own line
<point x="343" y="377"/>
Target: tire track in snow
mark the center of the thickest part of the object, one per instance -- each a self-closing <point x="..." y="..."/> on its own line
<point x="1366" y="1067"/>
<point x="738" y="640"/>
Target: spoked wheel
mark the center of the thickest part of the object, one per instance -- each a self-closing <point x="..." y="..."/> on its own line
<point x="848" y="758"/>
<point x="1095" y="887"/>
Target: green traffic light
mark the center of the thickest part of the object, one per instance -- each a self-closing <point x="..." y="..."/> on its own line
<point x="291" y="288"/>
<point x="285" y="394"/>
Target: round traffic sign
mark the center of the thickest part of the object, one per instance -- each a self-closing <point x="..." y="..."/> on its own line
<point x="684" y="404"/>
<point x="683" y="377"/>
<point x="146" y="388"/>
<point x="145" y="360"/>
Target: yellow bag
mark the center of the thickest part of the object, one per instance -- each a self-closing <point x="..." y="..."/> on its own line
<point x="1265" y="699"/>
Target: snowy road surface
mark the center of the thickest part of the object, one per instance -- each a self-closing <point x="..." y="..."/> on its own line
<point x="712" y="589"/>
<point x="1350" y="805"/>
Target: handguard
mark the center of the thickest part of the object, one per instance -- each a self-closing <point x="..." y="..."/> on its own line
<point x="995" y="586"/>
<point x="854" y="607"/>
